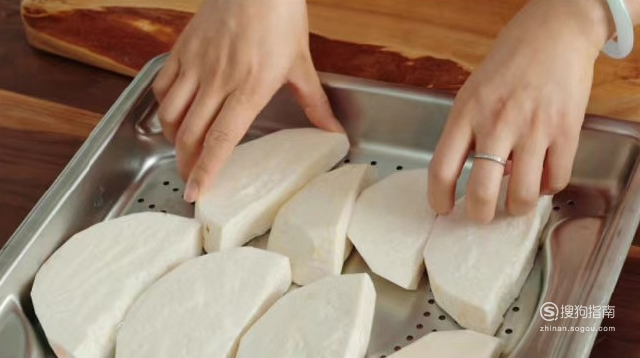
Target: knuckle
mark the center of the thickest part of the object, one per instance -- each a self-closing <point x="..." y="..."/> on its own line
<point x="157" y="88"/>
<point x="183" y="139"/>
<point x="556" y="185"/>
<point x="213" y="81"/>
<point x="483" y="94"/>
<point x="165" y="115"/>
<point x="304" y="57"/>
<point x="252" y="72"/>
<point x="257" y="87"/>
<point x="480" y="215"/>
<point x="245" y="97"/>
<point x="253" y="91"/>
<point x="539" y="124"/>
<point x="522" y="200"/>
<point x="189" y="73"/>
<point x="183" y="164"/>
<point x="189" y="49"/>
<point x="457" y="115"/>
<point x="481" y="196"/>
<point x="439" y="176"/>
<point x="322" y="100"/>
<point x="201" y="170"/>
<point x="502" y="117"/>
<point x="496" y="123"/>
<point x="567" y="124"/>
<point x="217" y="136"/>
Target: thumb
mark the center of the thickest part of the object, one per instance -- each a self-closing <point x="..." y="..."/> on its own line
<point x="308" y="91"/>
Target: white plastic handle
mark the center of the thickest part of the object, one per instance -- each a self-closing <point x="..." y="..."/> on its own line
<point x="624" y="29"/>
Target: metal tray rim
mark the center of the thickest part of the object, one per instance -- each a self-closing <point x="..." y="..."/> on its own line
<point x="60" y="187"/>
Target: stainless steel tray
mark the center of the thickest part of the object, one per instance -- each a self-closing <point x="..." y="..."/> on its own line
<point x="125" y="166"/>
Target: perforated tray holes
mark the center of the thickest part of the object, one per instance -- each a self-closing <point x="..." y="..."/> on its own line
<point x="564" y="204"/>
<point x="163" y="189"/>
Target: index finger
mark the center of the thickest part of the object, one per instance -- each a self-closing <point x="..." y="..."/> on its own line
<point x="225" y="133"/>
<point x="446" y="165"/>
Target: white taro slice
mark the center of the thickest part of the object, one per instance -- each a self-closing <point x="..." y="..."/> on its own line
<point x="259" y="177"/>
<point x="331" y="317"/>
<point x="202" y="308"/>
<point x="83" y="291"/>
<point x="452" y="344"/>
<point x="311" y="228"/>
<point x="477" y="271"/>
<point x="390" y="226"/>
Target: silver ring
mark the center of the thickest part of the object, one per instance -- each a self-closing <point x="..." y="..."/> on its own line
<point x="491" y="157"/>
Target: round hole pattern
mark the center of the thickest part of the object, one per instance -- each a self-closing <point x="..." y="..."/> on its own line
<point x="571" y="202"/>
<point x="347" y="160"/>
<point x="420" y="328"/>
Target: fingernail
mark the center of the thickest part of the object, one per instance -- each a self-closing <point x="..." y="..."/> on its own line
<point x="191" y="192"/>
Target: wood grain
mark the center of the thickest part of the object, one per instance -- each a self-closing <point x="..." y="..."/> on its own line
<point x="625" y="340"/>
<point x="429" y="43"/>
<point x="139" y="34"/>
<point x="37" y="139"/>
<point x="432" y="43"/>
<point x="26" y="113"/>
<point x="26" y="70"/>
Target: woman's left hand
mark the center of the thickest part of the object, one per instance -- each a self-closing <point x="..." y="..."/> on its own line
<point x="526" y="101"/>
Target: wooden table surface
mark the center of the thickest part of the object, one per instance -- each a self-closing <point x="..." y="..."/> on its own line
<point x="429" y="43"/>
<point x="48" y="106"/>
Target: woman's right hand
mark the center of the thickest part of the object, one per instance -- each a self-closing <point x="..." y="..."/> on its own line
<point x="225" y="67"/>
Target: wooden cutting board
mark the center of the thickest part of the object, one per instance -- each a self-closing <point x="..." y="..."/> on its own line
<point x="428" y="43"/>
